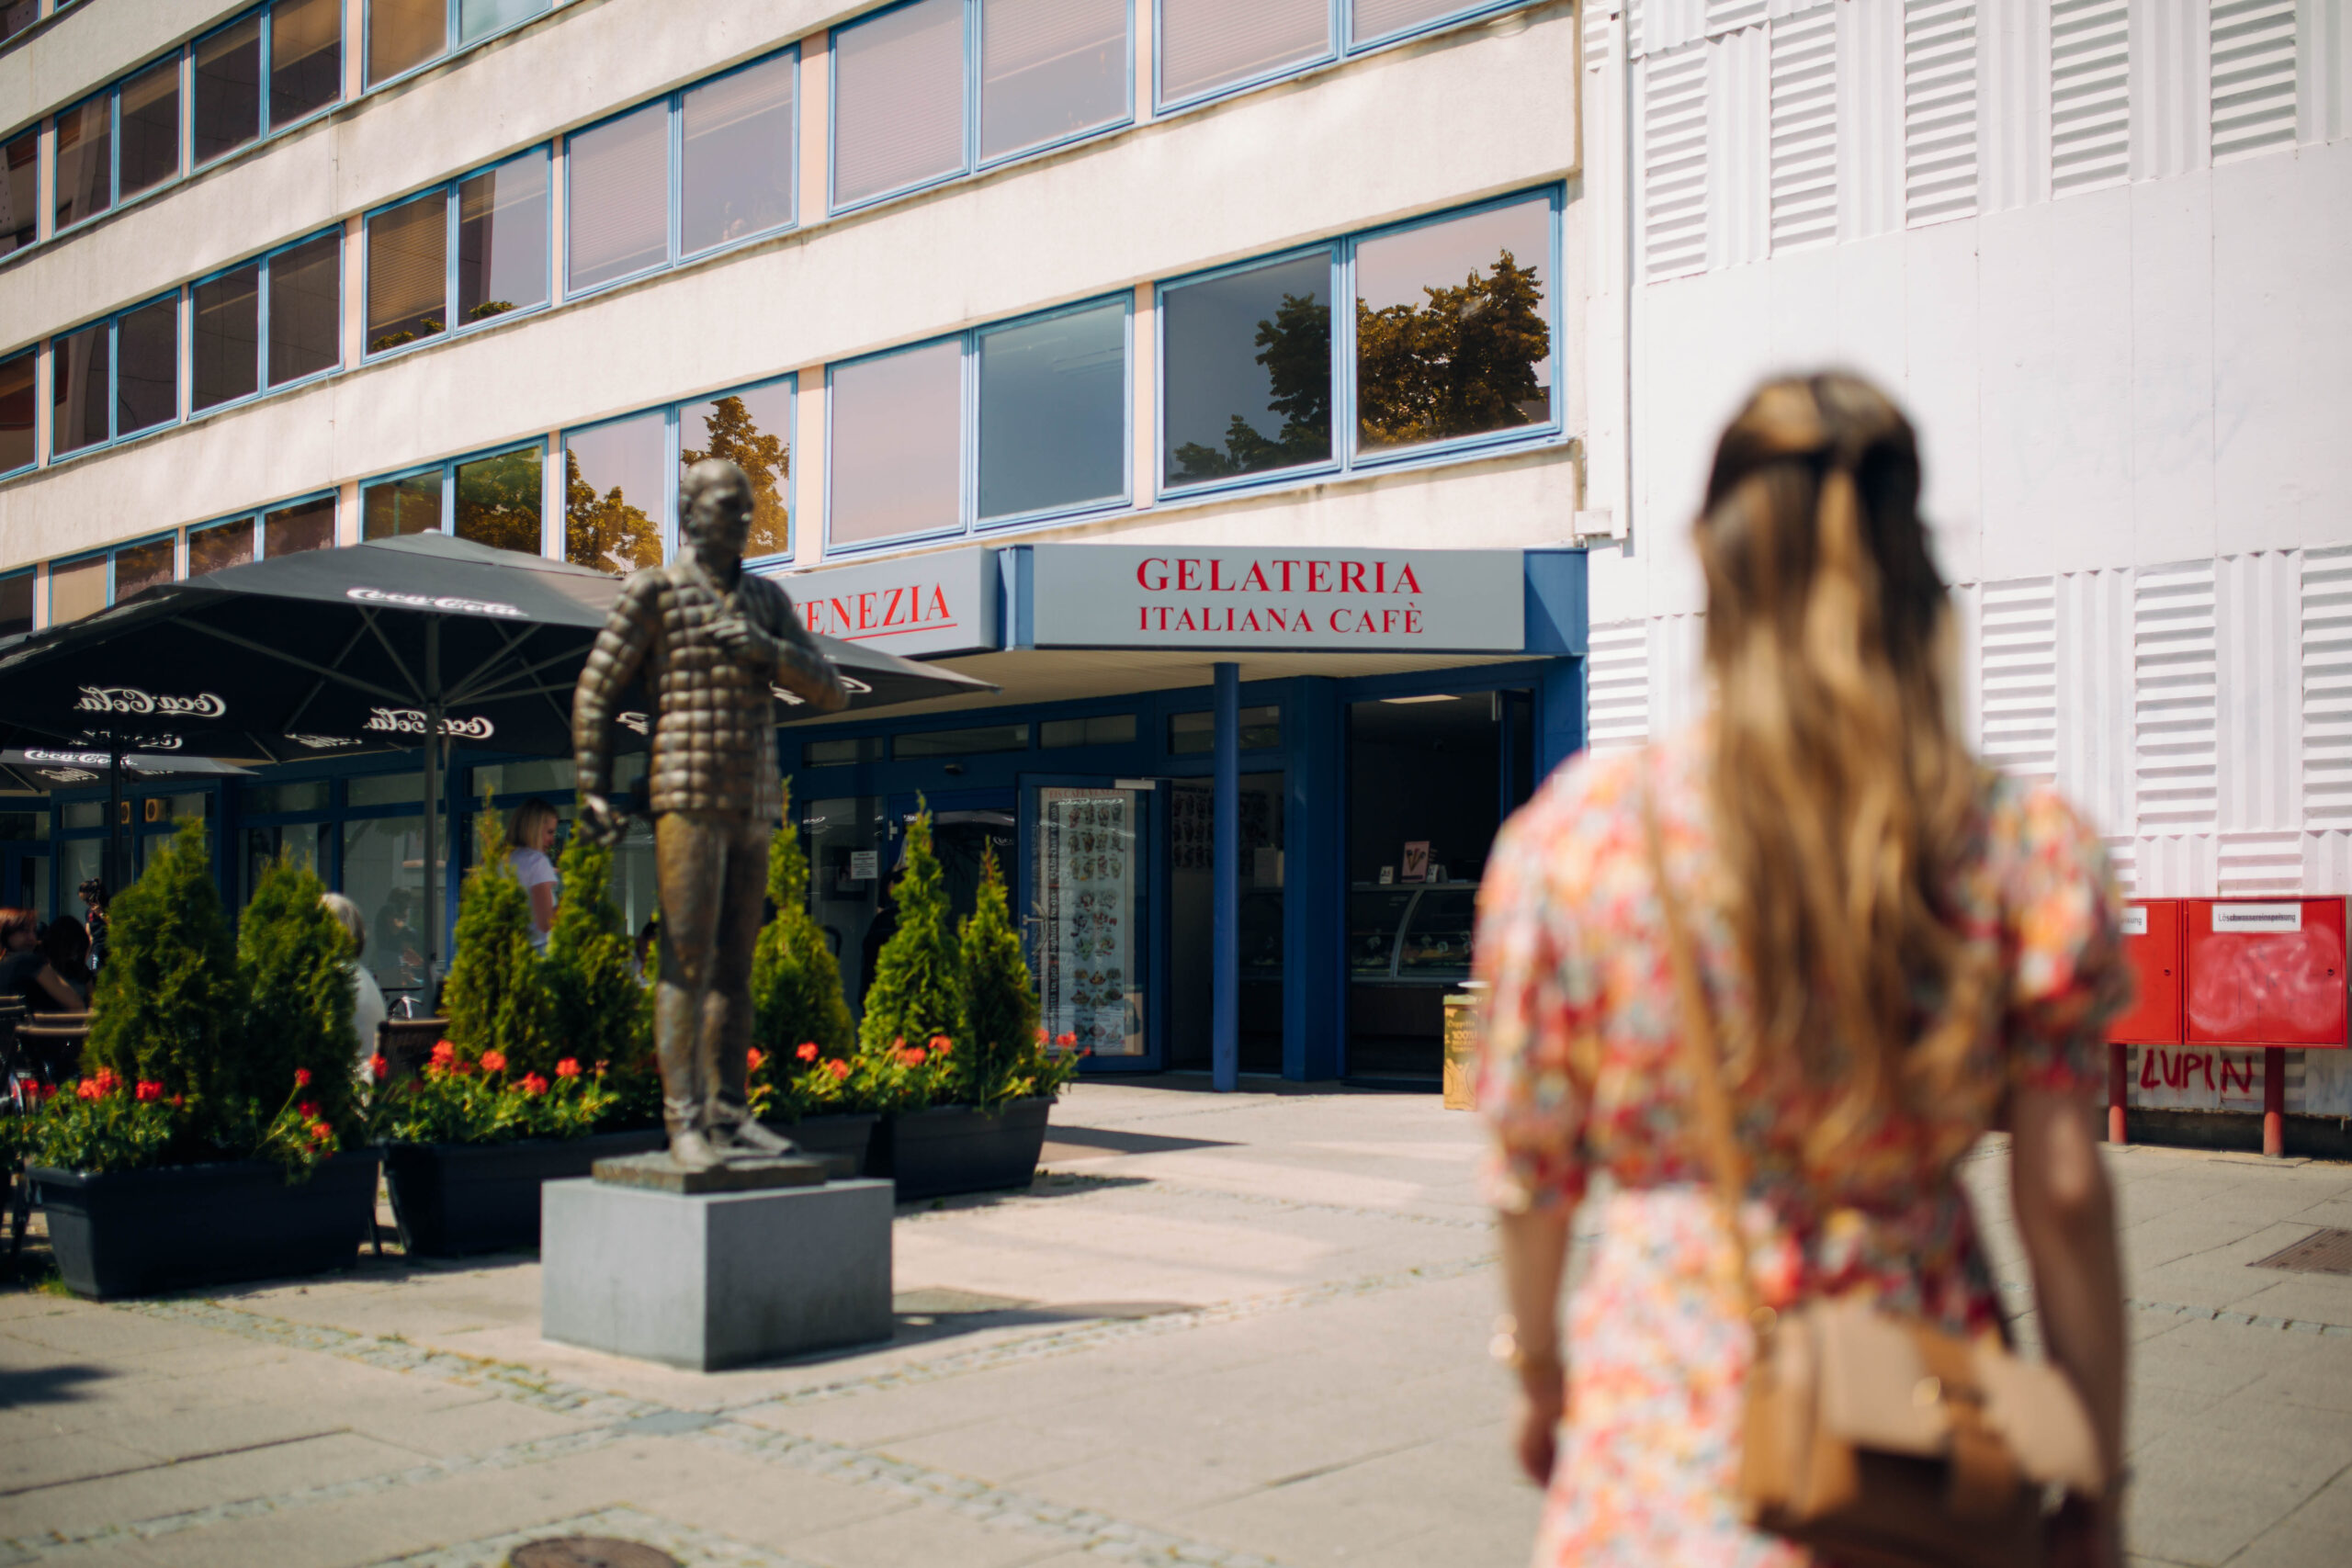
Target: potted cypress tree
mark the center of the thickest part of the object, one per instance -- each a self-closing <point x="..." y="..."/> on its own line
<point x="949" y="1040"/>
<point x="206" y="1140"/>
<point x="803" y="1064"/>
<point x="533" y="1066"/>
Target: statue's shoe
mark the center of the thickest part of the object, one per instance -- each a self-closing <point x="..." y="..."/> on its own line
<point x="692" y="1151"/>
<point x="755" y="1140"/>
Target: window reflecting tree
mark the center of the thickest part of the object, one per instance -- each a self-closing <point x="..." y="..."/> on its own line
<point x="731" y="432"/>
<point x="1295" y="346"/>
<point x="605" y="531"/>
<point x="498" y="501"/>
<point x="1461" y="364"/>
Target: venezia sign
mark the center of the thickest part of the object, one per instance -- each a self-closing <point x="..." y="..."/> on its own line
<point x="1337" y="601"/>
<point x="910" y="605"/>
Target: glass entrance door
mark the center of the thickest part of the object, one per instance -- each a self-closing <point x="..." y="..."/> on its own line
<point x="1089" y="878"/>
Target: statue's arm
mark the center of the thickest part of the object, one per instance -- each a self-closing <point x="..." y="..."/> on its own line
<point x="613" y="663"/>
<point x="799" y="668"/>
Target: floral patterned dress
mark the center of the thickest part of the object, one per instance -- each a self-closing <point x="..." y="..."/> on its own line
<point x="1583" y="1073"/>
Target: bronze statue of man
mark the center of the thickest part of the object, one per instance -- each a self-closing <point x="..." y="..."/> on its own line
<point x="709" y="641"/>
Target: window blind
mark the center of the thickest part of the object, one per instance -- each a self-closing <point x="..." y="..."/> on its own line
<point x="899" y="99"/>
<point x="737" y="168"/>
<point x="408" y="281"/>
<point x="620" y="196"/>
<point x="1205" y="44"/>
<point x="1369" y="19"/>
<point x="1049" y="68"/>
<point x="305" y="58"/>
<point x="896" y="444"/>
<point x="305" y="309"/>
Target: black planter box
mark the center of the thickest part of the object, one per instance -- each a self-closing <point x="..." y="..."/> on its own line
<point x="133" y="1233"/>
<point x="959" y="1148"/>
<point x="842" y="1137"/>
<point x="454" y="1199"/>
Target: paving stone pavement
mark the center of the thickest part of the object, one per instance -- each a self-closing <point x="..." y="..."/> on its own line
<point x="1236" y="1331"/>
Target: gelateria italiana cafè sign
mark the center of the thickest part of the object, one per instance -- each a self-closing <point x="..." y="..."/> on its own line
<point x="1334" y="601"/>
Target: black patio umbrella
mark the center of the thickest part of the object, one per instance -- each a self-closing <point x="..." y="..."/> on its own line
<point x="406" y="642"/>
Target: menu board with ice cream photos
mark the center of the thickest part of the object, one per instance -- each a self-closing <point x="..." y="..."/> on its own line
<point x="1087" y="878"/>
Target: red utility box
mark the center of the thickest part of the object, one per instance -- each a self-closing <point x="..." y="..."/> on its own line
<point x="2264" y="972"/>
<point x="2154" y="932"/>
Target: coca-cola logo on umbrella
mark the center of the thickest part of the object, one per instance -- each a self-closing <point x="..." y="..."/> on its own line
<point x="132" y="699"/>
<point x="411" y="721"/>
<point x="449" y="603"/>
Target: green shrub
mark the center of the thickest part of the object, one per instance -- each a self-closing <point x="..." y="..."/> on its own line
<point x="497" y="999"/>
<point x="996" y="1036"/>
<point x="797" y="992"/>
<point x="170" y="996"/>
<point x="917" y="977"/>
<point x="298" y="994"/>
<point x="597" y="1003"/>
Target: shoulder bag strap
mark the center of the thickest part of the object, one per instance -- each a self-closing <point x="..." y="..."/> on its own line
<point x="1702" y="1056"/>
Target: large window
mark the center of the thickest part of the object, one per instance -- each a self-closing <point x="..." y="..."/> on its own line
<point x="1042" y="71"/>
<point x="269" y="322"/>
<point x="492" y="500"/>
<point x="19" y="191"/>
<point x="469" y="251"/>
<point x="118" y="143"/>
<point x="84" y="587"/>
<point x="1044" y="430"/>
<point x="19" y="399"/>
<point x="298" y="525"/>
<point x="1450" y="340"/>
<point x="264" y="72"/>
<point x="621" y="477"/>
<point x="705" y="167"/>
<point x="16" y="603"/>
<point x="1210" y="47"/>
<point x="405" y="34"/>
<point x="115" y="377"/>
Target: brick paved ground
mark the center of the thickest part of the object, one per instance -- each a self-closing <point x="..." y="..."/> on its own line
<point x="1238" y="1330"/>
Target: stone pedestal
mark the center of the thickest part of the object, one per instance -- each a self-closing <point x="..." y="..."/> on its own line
<point x="715" y="1278"/>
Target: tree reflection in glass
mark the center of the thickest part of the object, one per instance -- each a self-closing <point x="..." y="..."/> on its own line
<point x="613" y="495"/>
<point x="1229" y="410"/>
<point x="1452" y="338"/>
<point x="752" y="430"/>
<point x="498" y="501"/>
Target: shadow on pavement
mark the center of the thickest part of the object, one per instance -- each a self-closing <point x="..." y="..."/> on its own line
<point x="47" y="1385"/>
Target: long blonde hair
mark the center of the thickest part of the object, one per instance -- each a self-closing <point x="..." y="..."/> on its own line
<point x="1843" y="800"/>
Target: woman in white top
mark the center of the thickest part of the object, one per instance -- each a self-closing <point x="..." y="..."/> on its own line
<point x="531" y="835"/>
<point x="367" y="1008"/>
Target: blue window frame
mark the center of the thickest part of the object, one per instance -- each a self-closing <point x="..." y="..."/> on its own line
<point x="19" y="397"/>
<point x="265" y="324"/>
<point x="17" y="603"/>
<point x="1001" y="426"/>
<point x="120" y="142"/>
<point x="708" y="166"/>
<point x="1212" y="49"/>
<point x="115" y="379"/>
<point x="929" y="90"/>
<point x="271" y="69"/>
<point x="84" y="585"/>
<point x="620" y="476"/>
<point x="496" y="498"/>
<point x="460" y="253"/>
<point x="306" y="523"/>
<point x="409" y="35"/>
<point x="1451" y="348"/>
<point x="20" y="167"/>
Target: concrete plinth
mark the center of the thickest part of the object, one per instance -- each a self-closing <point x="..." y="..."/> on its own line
<point x="714" y="1280"/>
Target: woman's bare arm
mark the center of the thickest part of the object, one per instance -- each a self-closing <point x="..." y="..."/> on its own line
<point x="2066" y="1213"/>
<point x="1535" y="1257"/>
<point x="63" y="995"/>
<point x="543" y="906"/>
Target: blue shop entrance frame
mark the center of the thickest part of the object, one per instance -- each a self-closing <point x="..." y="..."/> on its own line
<point x="1311" y="758"/>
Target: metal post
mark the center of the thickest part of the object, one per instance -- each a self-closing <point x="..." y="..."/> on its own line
<point x="2118" y="1077"/>
<point x="433" y="714"/>
<point x="2274" y="1101"/>
<point x="1224" y="983"/>
<point x="114" y="814"/>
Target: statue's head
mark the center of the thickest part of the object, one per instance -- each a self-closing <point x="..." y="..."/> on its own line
<point x="715" y="507"/>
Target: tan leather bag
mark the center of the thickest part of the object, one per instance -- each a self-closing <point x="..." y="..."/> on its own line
<point x="1878" y="1440"/>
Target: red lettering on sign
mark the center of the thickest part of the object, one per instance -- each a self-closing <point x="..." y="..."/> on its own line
<point x="1351" y="576"/>
<point x="1406" y="581"/>
<point x="1256" y="580"/>
<point x="1146" y="578"/>
<point x="1318" y="574"/>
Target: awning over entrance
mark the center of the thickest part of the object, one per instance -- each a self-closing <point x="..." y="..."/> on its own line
<point x="1049" y="623"/>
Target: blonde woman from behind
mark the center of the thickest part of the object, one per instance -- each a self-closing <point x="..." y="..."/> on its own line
<point x="1895" y="945"/>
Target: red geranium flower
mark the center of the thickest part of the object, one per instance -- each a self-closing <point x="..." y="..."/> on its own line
<point x="912" y="1055"/>
<point x="443" y="1053"/>
<point x="308" y="1110"/>
<point x="808" y="1051"/>
<point x="534" y="1084"/>
<point x="1065" y="1040"/>
<point x="147" y="1090"/>
<point x="106" y="1080"/>
<point x="753" y="1057"/>
<point x="493" y="1061"/>
<point x="940" y="1045"/>
<point x="321" y="1132"/>
<point x="568" y="1068"/>
<point x="301" y="1078"/>
<point x="377" y="1068"/>
<point x="839" y="1068"/>
<point x="87" y="1090"/>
